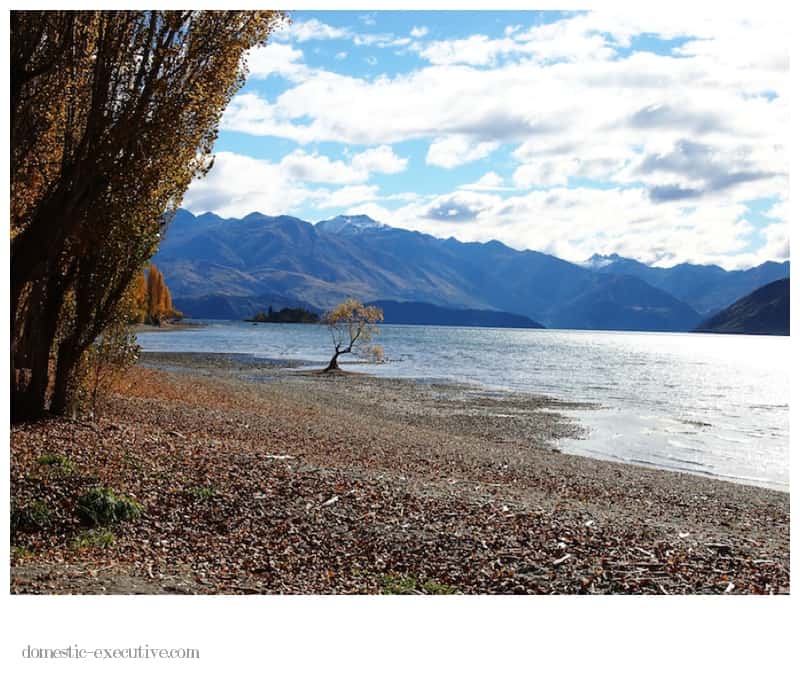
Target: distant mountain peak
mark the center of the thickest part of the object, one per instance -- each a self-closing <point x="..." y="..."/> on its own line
<point x="254" y="216"/>
<point x="208" y="216"/>
<point x="600" y="261"/>
<point x="350" y="224"/>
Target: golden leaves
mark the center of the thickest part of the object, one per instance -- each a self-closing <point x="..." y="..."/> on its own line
<point x="112" y="115"/>
<point x="351" y="323"/>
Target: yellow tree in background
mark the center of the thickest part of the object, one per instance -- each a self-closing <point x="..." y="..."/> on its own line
<point x="159" y="299"/>
<point x="140" y="299"/>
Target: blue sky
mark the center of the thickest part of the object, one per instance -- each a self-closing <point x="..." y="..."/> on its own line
<point x="660" y="138"/>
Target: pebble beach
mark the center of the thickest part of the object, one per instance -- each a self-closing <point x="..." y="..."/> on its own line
<point x="256" y="477"/>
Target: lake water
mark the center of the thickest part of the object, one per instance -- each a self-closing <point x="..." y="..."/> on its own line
<point x="716" y="405"/>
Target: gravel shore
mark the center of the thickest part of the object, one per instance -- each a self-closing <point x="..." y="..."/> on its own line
<point x="257" y="478"/>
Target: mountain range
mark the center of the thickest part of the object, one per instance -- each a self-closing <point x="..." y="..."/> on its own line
<point x="762" y="312"/>
<point x="230" y="268"/>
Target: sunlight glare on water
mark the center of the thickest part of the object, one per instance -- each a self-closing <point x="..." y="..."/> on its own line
<point x="717" y="405"/>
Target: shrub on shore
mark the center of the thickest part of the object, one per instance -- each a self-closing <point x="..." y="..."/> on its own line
<point x="31" y="517"/>
<point x="58" y="460"/>
<point x="102" y="506"/>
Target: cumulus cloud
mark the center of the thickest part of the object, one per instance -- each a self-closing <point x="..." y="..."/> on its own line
<point x="489" y="181"/>
<point x="381" y="160"/>
<point x="452" y="151"/>
<point x="419" y="31"/>
<point x="691" y="169"/>
<point x="238" y="184"/>
<point x="569" y="40"/>
<point x="670" y="145"/>
<point x="458" y="207"/>
<point x="316" y="168"/>
<point x="666" y="117"/>
<point x="548" y="172"/>
<point x="280" y="59"/>
<point x="476" y="50"/>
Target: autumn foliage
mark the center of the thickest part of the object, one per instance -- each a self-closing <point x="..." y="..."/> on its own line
<point x="151" y="299"/>
<point x="352" y="325"/>
<point x="112" y="114"/>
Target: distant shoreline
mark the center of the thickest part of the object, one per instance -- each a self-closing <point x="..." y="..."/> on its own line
<point x="167" y="327"/>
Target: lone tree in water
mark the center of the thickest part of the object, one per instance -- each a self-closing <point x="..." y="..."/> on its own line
<point x="352" y="325"/>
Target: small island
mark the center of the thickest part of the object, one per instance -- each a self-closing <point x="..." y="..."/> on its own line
<point x="285" y="315"/>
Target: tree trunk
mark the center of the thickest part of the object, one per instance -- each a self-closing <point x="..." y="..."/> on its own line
<point x="333" y="364"/>
<point x="32" y="375"/>
<point x="33" y="337"/>
<point x="68" y="357"/>
<point x="29" y="384"/>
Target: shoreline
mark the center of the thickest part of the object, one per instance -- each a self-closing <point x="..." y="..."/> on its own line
<point x="167" y="327"/>
<point x="363" y="484"/>
<point x="231" y="362"/>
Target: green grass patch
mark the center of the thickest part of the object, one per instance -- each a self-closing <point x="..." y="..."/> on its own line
<point x="432" y="587"/>
<point x="101" y="506"/>
<point x="202" y="492"/>
<point x="58" y="460"/>
<point x="99" y="537"/>
<point x="396" y="584"/>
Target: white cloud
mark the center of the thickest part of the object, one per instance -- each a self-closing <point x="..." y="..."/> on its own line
<point x="348" y="196"/>
<point x="476" y="50"/>
<point x="238" y="185"/>
<point x="381" y="160"/>
<point x="691" y="136"/>
<point x="312" y="29"/>
<point x="546" y="173"/>
<point x="488" y="182"/>
<point x="419" y="31"/>
<point x="452" y="151"/>
<point x="276" y="58"/>
<point x="314" y="168"/>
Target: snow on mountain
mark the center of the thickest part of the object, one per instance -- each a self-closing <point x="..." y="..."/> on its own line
<point x="349" y="225"/>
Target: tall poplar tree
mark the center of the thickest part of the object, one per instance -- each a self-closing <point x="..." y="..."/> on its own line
<point x="112" y="115"/>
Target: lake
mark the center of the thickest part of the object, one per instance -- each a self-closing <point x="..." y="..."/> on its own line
<point x="716" y="405"/>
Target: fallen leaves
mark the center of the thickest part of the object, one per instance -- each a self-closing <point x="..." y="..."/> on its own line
<point x="267" y="488"/>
